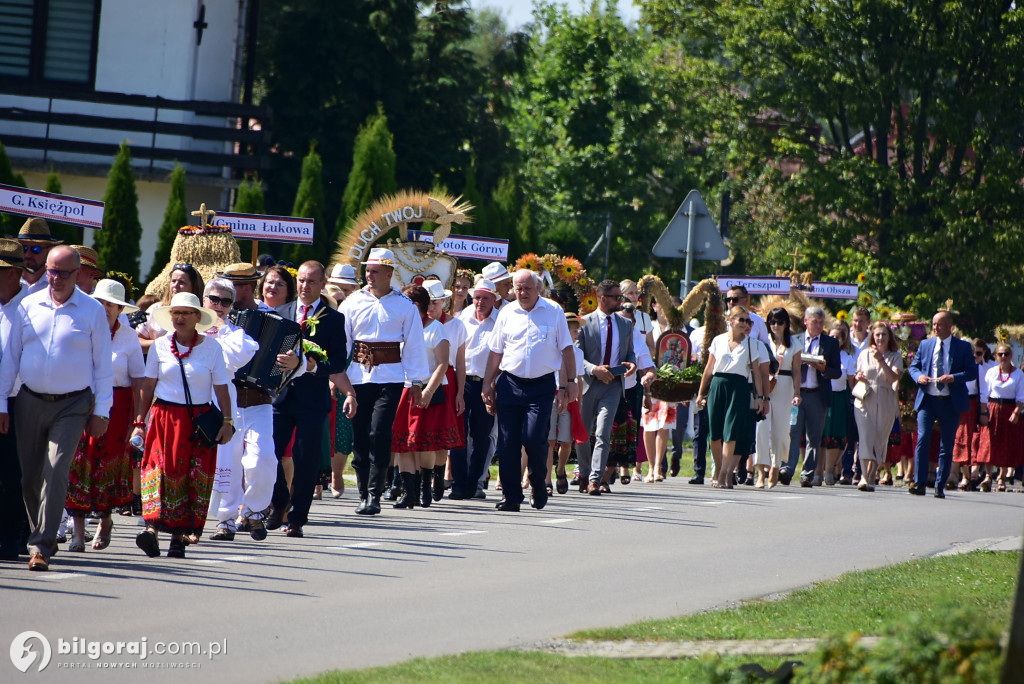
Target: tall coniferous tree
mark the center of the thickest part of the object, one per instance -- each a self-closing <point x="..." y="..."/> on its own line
<point x="62" y="231"/>
<point x="249" y="200"/>
<point x="9" y="223"/>
<point x="118" y="242"/>
<point x="175" y="216"/>
<point x="309" y="203"/>
<point x="373" y="168"/>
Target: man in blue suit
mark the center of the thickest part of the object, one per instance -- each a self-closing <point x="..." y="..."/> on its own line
<point x="942" y="368"/>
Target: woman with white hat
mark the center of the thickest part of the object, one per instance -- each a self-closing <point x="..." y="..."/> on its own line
<point x="101" y="474"/>
<point x="177" y="470"/>
<point x="455" y="376"/>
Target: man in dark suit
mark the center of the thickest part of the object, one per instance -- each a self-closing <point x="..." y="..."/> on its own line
<point x="816" y="389"/>
<point x="941" y="368"/>
<point x="607" y="342"/>
<point x="303" y="406"/>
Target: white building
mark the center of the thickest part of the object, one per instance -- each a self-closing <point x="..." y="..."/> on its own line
<point x="78" y="77"/>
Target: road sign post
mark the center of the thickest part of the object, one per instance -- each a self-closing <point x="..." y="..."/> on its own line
<point x="691" y="234"/>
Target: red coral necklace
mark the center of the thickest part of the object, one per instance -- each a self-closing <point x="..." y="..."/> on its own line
<point x="174" y="346"/>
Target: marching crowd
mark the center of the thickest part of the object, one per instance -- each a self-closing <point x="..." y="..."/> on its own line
<point x="104" y="410"/>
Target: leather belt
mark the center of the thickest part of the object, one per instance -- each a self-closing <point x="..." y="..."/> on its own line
<point x="784" y="372"/>
<point x="372" y="354"/>
<point x="250" y="396"/>
<point x="547" y="377"/>
<point x="999" y="400"/>
<point x="54" y="397"/>
<point x="805" y="390"/>
<point x="474" y="378"/>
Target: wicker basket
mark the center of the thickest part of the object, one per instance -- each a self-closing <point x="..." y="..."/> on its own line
<point x="674" y="392"/>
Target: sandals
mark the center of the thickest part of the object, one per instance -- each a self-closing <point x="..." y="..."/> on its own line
<point x="76" y="546"/>
<point x="147" y="541"/>
<point x="561" y="483"/>
<point x="102" y="539"/>
<point x="176" y="549"/>
<point x="649" y="479"/>
<point x="549" y="490"/>
<point x="625" y="479"/>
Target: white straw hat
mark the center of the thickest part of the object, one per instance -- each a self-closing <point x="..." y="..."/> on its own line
<point x="436" y="289"/>
<point x="381" y="256"/>
<point x="112" y="291"/>
<point x="185" y="300"/>
<point x="495" y="272"/>
<point x="343" y="274"/>
<point x="484" y="285"/>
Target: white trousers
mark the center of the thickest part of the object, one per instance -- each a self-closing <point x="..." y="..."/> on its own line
<point x="246" y="466"/>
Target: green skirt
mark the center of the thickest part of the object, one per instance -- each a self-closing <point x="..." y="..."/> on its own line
<point x="834" y="434"/>
<point x="729" y="416"/>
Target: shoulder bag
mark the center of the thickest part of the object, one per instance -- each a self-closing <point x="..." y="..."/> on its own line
<point x="755" y="402"/>
<point x="207" y="424"/>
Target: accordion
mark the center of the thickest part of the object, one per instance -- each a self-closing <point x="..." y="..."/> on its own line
<point x="275" y="335"/>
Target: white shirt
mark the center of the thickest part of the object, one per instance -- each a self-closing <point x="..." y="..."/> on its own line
<point x="7" y="311"/>
<point x="392" y="318"/>
<point x="433" y="334"/>
<point x="696" y="343"/>
<point x="38" y="286"/>
<point x="848" y="364"/>
<point x="972" y="386"/>
<point x="204" y="368"/>
<point x="312" y="309"/>
<point x="126" y="356"/>
<point x="932" y="388"/>
<point x="642" y="321"/>
<point x="859" y="347"/>
<point x="530" y="342"/>
<point x="811" y="346"/>
<point x="478" y="335"/>
<point x="1003" y="386"/>
<point x="735" y="361"/>
<point x="455" y="330"/>
<point x="60" y="349"/>
<point x="643" y="357"/>
<point x="150" y="330"/>
<point x="608" y="325"/>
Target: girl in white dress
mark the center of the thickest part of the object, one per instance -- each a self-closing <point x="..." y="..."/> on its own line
<point x="784" y="395"/>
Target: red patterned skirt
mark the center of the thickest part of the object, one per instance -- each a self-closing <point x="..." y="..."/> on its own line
<point x="969" y="447"/>
<point x="177" y="473"/>
<point x="1005" y="440"/>
<point x="101" y="474"/>
<point x="449" y="398"/>
<point x="428" y="429"/>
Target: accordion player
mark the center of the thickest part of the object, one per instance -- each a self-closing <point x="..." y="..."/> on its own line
<point x="262" y="376"/>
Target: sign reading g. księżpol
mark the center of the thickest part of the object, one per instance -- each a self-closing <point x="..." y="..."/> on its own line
<point x="269" y="228"/>
<point x="46" y="205"/>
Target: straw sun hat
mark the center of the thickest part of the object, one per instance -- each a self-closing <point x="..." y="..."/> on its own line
<point x="185" y="300"/>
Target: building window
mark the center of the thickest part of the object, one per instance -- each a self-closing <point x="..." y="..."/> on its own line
<point x="49" y="40"/>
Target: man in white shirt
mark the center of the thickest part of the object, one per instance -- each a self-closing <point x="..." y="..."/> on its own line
<point x="60" y="347"/>
<point x="502" y="279"/>
<point x="737" y="295"/>
<point x="468" y="467"/>
<point x="529" y="343"/>
<point x="385" y="333"/>
<point x="14" y="529"/>
<point x="37" y="242"/>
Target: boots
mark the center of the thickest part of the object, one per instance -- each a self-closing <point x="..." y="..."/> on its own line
<point x="438" y="492"/>
<point x="136" y="504"/>
<point x="394" y="484"/>
<point x="409" y="492"/>
<point x="426" y="493"/>
<point x="773" y="478"/>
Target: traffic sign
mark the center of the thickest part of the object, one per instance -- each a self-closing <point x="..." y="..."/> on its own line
<point x="706" y="241"/>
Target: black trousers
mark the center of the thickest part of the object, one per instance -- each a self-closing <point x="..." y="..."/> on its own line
<point x="524" y="416"/>
<point x="308" y="428"/>
<point x="14" y="528"/>
<point x="468" y="467"/>
<point x="371" y="434"/>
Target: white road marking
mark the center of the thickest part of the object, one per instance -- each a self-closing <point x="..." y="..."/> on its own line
<point x="359" y="545"/>
<point x="789" y="497"/>
<point x="238" y="558"/>
<point x="460" y="534"/>
<point x="555" y="521"/>
<point x="649" y="508"/>
<point x="66" y="575"/>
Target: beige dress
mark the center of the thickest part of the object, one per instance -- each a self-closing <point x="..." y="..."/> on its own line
<point x="876" y="413"/>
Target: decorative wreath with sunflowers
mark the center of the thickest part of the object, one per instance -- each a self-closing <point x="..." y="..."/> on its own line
<point x="569" y="271"/>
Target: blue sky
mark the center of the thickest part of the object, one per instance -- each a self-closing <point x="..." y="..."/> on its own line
<point x="518" y="12"/>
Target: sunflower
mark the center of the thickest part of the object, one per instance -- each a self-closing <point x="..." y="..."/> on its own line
<point x="569" y="270"/>
<point x="842" y="316"/>
<point x="584" y="282"/>
<point x="530" y="261"/>
<point x="864" y="299"/>
<point x="549" y="262"/>
<point x="1003" y="334"/>
<point x="862" y="278"/>
<point x="588" y="303"/>
<point x="885" y="312"/>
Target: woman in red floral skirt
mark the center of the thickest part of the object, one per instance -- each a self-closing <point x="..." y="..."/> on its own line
<point x="1004" y="400"/>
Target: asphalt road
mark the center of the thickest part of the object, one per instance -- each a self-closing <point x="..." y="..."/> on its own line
<point x="357" y="592"/>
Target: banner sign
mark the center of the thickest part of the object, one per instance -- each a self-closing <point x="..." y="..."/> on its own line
<point x="467" y="247"/>
<point x="268" y="228"/>
<point x="46" y="205"/>
<point x="756" y="285"/>
<point x="827" y="290"/>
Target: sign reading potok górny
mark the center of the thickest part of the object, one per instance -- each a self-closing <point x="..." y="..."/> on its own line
<point x="46" y="205"/>
<point x="780" y="285"/>
<point x="467" y="247"/>
<point x="269" y="228"/>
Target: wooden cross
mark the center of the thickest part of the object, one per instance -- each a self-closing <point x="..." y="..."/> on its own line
<point x="796" y="256"/>
<point x="203" y="213"/>
<point x="200" y="24"/>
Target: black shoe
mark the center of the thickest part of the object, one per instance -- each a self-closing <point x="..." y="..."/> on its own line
<point x="275" y="519"/>
<point x="364" y="504"/>
<point x="147" y="541"/>
<point x="696" y="480"/>
<point x="257" y="528"/>
<point x="425" y="488"/>
<point x="917" y="490"/>
<point x="456" y="496"/>
<point x="806" y="482"/>
<point x="176" y="549"/>
<point x="479" y="494"/>
<point x="410" y="489"/>
<point x="294" y="531"/>
<point x="223" y="534"/>
<point x="845" y="480"/>
<point x="785" y="477"/>
<point x="674" y="470"/>
<point x="507" y="506"/>
<point x="539" y="498"/>
<point x="438" y="491"/>
<point x="575" y="481"/>
<point x="939" y="494"/>
<point x="373" y="507"/>
<point x="136" y="504"/>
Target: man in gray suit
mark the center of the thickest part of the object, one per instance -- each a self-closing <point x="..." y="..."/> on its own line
<point x="607" y="344"/>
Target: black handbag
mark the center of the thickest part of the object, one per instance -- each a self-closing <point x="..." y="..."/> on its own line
<point x="206" y="424"/>
<point x="437" y="397"/>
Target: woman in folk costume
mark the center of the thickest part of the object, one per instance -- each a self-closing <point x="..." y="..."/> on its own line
<point x="177" y="470"/>
<point x="455" y="376"/>
<point x="101" y="474"/>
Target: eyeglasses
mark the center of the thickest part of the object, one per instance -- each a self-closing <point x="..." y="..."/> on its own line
<point x="221" y="301"/>
<point x="35" y="249"/>
<point x="63" y="275"/>
<point x="1004" y="353"/>
<point x="745" y="321"/>
<point x="186" y="312"/>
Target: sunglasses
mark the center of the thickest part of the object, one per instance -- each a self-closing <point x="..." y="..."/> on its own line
<point x="35" y="249"/>
<point x="617" y="297"/>
<point x="979" y="353"/>
<point x="730" y="300"/>
<point x="221" y="301"/>
<point x="776" y="322"/>
<point x="1004" y="353"/>
<point x="187" y="268"/>
<point x="63" y="275"/>
<point x="746" y="321"/>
